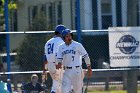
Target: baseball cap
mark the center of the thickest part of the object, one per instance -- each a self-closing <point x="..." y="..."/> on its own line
<point x="65" y="32"/>
<point x="60" y="28"/>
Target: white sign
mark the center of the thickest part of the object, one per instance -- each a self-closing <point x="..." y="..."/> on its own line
<point x="124" y="47"/>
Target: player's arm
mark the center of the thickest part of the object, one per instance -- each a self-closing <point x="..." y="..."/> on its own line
<point x="45" y="62"/>
<point x="45" y="68"/>
<point x="59" y="59"/>
<point x="84" y="54"/>
<point x="88" y="63"/>
<point x="59" y="64"/>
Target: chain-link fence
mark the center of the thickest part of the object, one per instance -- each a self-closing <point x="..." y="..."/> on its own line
<point x="27" y="58"/>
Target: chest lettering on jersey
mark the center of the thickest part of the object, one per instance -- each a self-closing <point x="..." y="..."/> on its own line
<point x="68" y="52"/>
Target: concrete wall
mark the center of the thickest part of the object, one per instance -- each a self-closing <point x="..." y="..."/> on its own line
<point x="132" y="12"/>
<point x="16" y="40"/>
<point x="66" y="13"/>
<point x="23" y="20"/>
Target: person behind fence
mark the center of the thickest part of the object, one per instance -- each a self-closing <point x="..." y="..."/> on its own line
<point x="51" y="47"/>
<point x="70" y="55"/>
<point x="34" y="86"/>
<point x="3" y="86"/>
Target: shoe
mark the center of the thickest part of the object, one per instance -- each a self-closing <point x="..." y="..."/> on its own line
<point x="53" y="92"/>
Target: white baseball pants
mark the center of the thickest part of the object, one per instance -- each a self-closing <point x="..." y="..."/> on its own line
<point x="72" y="77"/>
<point x="56" y="77"/>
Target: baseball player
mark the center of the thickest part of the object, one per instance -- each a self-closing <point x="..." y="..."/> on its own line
<point x="70" y="55"/>
<point x="51" y="48"/>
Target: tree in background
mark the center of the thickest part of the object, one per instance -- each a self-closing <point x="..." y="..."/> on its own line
<point x="12" y="6"/>
<point x="2" y="37"/>
<point x="30" y="53"/>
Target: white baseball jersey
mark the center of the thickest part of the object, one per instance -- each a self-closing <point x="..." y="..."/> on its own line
<point x="71" y="54"/>
<point x="51" y="48"/>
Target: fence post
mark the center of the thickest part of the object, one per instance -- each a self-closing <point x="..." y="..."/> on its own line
<point x="132" y="81"/>
<point x="107" y="83"/>
<point x="7" y="42"/>
<point x="124" y="80"/>
<point x="78" y="26"/>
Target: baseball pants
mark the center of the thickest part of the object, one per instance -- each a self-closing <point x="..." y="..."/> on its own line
<point x="56" y="77"/>
<point x="72" y="77"/>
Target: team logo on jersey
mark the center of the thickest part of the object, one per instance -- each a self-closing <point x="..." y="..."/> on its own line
<point x="68" y="52"/>
<point x="127" y="44"/>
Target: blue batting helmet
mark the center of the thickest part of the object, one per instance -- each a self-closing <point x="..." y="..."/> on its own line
<point x="60" y="28"/>
<point x="65" y="32"/>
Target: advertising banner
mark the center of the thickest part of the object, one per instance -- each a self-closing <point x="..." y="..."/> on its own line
<point x="124" y="47"/>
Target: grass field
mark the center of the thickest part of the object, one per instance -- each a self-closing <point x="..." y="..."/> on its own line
<point x="112" y="89"/>
<point x="115" y="91"/>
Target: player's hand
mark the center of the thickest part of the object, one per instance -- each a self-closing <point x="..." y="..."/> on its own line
<point x="89" y="72"/>
<point x="44" y="76"/>
<point x="58" y="66"/>
<point x="44" y="72"/>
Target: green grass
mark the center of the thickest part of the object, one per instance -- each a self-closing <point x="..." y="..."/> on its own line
<point x="114" y="91"/>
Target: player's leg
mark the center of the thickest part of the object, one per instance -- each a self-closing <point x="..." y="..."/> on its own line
<point x="55" y="86"/>
<point x="77" y="81"/>
<point x="83" y="75"/>
<point x="66" y="82"/>
<point x="56" y="76"/>
<point x="52" y="70"/>
<point x="59" y="77"/>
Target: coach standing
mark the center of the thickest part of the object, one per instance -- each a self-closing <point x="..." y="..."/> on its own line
<point x="70" y="55"/>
